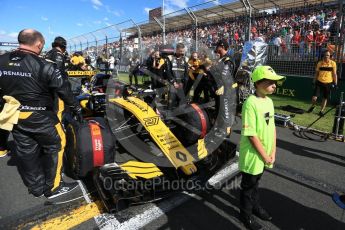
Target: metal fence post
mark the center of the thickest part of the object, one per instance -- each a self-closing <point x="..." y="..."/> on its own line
<point x="95" y="43"/>
<point x="139" y="38"/>
<point x="195" y="19"/>
<point x="163" y="14"/>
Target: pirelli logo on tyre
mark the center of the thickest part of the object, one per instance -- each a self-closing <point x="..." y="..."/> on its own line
<point x="151" y="121"/>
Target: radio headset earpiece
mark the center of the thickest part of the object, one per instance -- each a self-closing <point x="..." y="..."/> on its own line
<point x="59" y="42"/>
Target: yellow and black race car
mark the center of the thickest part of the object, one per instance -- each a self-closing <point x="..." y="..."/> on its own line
<point x="89" y="89"/>
<point x="144" y="151"/>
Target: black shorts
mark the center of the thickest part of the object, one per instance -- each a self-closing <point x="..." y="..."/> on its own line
<point x="324" y="88"/>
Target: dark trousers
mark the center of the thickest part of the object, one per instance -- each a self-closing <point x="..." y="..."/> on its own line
<point x="249" y="197"/>
<point x="188" y="86"/>
<point x="39" y="144"/>
<point x="205" y="86"/>
<point x="176" y="96"/>
<point x="131" y="74"/>
<point x="227" y="109"/>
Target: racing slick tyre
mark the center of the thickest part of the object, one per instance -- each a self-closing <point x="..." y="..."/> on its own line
<point x="192" y="124"/>
<point x="89" y="144"/>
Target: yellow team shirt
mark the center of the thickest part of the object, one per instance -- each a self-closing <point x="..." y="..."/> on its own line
<point x="195" y="64"/>
<point x="161" y="62"/>
<point x="326" y="70"/>
<point x="75" y="60"/>
<point x="81" y="60"/>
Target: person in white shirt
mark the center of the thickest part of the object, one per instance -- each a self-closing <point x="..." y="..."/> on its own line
<point x="277" y="43"/>
<point x="111" y="62"/>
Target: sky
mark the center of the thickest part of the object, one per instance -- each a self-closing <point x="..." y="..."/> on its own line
<point x="71" y="18"/>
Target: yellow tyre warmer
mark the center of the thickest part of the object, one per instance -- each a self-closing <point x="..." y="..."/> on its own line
<point x="89" y="145"/>
<point x="172" y="148"/>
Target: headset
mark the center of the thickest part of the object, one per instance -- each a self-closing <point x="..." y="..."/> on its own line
<point x="59" y="42"/>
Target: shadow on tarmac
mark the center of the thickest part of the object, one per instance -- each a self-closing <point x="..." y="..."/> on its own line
<point x="304" y="151"/>
<point x="219" y="209"/>
<point x="202" y="212"/>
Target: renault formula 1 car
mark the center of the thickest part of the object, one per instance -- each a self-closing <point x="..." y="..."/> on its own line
<point x="145" y="151"/>
<point x="89" y="88"/>
<point x="158" y="153"/>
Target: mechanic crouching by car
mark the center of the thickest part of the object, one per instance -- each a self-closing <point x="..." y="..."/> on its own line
<point x="223" y="73"/>
<point x="177" y="73"/>
<point x="38" y="135"/>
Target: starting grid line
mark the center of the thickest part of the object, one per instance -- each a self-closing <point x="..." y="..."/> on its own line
<point x="107" y="221"/>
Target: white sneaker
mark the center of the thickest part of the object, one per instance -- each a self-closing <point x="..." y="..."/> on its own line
<point x="64" y="188"/>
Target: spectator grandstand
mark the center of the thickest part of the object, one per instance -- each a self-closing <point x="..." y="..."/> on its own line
<point x="296" y="31"/>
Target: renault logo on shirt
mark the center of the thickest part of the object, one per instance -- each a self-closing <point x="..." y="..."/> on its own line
<point x="14" y="73"/>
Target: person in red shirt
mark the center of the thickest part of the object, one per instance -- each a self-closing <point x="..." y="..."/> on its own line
<point x="320" y="40"/>
<point x="296" y="39"/>
<point x="236" y="37"/>
<point x="309" y="40"/>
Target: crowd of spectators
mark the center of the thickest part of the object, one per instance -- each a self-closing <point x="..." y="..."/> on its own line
<point x="298" y="33"/>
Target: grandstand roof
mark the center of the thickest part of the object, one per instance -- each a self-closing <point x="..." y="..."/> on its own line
<point x="209" y="12"/>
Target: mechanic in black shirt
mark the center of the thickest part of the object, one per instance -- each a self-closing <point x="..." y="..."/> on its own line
<point x="38" y="136"/>
<point x="223" y="73"/>
<point x="58" y="55"/>
<point x="177" y="73"/>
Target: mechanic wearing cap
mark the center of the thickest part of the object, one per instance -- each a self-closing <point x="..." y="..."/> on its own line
<point x="38" y="135"/>
<point x="223" y="73"/>
<point x="258" y="144"/>
<point x="57" y="55"/>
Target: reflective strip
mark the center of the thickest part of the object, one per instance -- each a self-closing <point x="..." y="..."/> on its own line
<point x="60" y="155"/>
